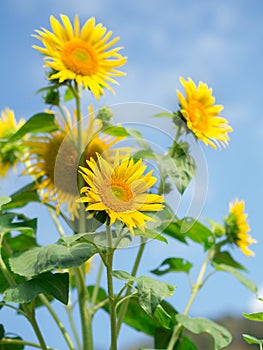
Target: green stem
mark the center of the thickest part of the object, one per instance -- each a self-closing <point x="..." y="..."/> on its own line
<point x="9" y="341"/>
<point x="195" y="289"/>
<point x="97" y="285"/>
<point x="84" y="310"/>
<point x="110" y="290"/>
<point x="60" y="325"/>
<point x="173" y="148"/>
<point x="56" y="222"/>
<point x="73" y="327"/>
<point x="125" y="305"/>
<point x="32" y="319"/>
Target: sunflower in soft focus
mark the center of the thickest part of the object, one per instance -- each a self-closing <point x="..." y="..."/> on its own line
<point x="237" y="227"/>
<point x="53" y="159"/>
<point x="10" y="152"/>
<point x="84" y="54"/>
<point x="202" y="115"/>
<point x="120" y="191"/>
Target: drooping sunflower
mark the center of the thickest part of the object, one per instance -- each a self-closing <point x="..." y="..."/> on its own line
<point x="202" y="115"/>
<point x="54" y="159"/>
<point x="120" y="190"/>
<point x="10" y="152"/>
<point x="237" y="227"/>
<point x="86" y="55"/>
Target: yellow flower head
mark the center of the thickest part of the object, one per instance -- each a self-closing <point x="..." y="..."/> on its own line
<point x="54" y="159"/>
<point x="85" y="54"/>
<point x="120" y="190"/>
<point x="9" y="152"/>
<point x="237" y="227"/>
<point x="202" y="115"/>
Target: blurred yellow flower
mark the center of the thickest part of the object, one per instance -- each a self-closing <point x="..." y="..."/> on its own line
<point x="85" y="54"/>
<point x="10" y="152"/>
<point x="54" y="159"/>
<point x="202" y="115"/>
<point x="238" y="228"/>
<point x="120" y="190"/>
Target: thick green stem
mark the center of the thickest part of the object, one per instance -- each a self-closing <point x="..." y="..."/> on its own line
<point x="111" y="291"/>
<point x="73" y="327"/>
<point x="60" y="325"/>
<point x="84" y="310"/>
<point x="195" y="289"/>
<point x="125" y="304"/>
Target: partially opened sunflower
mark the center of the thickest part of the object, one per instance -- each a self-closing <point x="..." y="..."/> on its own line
<point x="53" y="159"/>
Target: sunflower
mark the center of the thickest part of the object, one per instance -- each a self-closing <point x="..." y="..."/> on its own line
<point x="120" y="190"/>
<point x="202" y="115"/>
<point x="10" y="152"/>
<point x="53" y="159"/>
<point x="85" y="55"/>
<point x="237" y="227"/>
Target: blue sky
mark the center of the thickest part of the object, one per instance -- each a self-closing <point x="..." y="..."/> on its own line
<point x="218" y="42"/>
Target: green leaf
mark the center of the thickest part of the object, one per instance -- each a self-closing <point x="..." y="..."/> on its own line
<point x="150" y="234"/>
<point x="151" y="292"/>
<point x="56" y="285"/>
<point x="12" y="346"/>
<point x="162" y="338"/>
<point x="54" y="256"/>
<point x="252" y="340"/>
<point x="117" y="131"/>
<point x="244" y="280"/>
<point x="163" y="317"/>
<point x="138" y="137"/>
<point x="123" y="275"/>
<point x="4" y="200"/>
<point x="22" y="197"/>
<point x="41" y="122"/>
<point x="222" y="336"/>
<point x="68" y="95"/>
<point x="257" y="316"/>
<point x="2" y="331"/>
<point x="226" y="259"/>
<point x="17" y="222"/>
<point x="180" y="169"/>
<point x="173" y="265"/>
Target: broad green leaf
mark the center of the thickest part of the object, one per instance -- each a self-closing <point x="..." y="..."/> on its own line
<point x="222" y="336"/>
<point x="138" y="137"/>
<point x="257" y="316"/>
<point x="17" y="222"/>
<point x="173" y="230"/>
<point x="41" y="122"/>
<point x="180" y="169"/>
<point x="56" y="285"/>
<point x="54" y="256"/>
<point x="150" y="234"/>
<point x="163" y="317"/>
<point x="162" y="338"/>
<point x="173" y="265"/>
<point x="244" y="280"/>
<point x="226" y="259"/>
<point x="22" y="197"/>
<point x="151" y="292"/>
<point x="68" y="96"/>
<point x="117" y="131"/>
<point x="4" y="200"/>
<point x="252" y="340"/>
